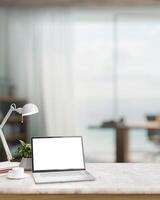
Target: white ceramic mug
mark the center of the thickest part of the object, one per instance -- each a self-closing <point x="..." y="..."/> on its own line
<point x="17" y="172"/>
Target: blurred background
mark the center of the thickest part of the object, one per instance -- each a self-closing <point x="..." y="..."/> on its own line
<point x="92" y="68"/>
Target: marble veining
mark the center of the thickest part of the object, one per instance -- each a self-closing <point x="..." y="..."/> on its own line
<point x="115" y="178"/>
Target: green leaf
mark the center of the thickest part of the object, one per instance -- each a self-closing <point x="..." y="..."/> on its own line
<point x="25" y="150"/>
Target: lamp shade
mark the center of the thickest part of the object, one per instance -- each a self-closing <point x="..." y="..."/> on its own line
<point x="29" y="109"/>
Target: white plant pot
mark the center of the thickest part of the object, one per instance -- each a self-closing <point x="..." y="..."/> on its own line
<point x="26" y="163"/>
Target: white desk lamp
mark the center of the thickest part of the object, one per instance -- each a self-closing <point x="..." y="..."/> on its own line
<point x="28" y="109"/>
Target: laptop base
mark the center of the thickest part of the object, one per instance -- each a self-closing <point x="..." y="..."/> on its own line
<point x="62" y="176"/>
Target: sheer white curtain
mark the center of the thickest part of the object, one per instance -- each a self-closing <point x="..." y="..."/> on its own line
<point x="39" y="60"/>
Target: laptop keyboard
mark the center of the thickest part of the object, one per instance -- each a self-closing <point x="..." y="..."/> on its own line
<point x="63" y="173"/>
<point x="63" y="176"/>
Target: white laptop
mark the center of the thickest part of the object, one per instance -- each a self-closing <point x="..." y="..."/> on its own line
<point x="58" y="159"/>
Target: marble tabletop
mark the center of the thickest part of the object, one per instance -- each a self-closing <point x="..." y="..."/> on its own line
<point x="115" y="178"/>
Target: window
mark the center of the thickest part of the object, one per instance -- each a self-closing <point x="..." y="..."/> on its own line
<point x="138" y="75"/>
<point x="116" y="64"/>
<point x="93" y="64"/>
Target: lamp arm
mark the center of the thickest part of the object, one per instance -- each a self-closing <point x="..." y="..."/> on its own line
<point x="5" y="145"/>
<point x="4" y="142"/>
<point x="12" y="108"/>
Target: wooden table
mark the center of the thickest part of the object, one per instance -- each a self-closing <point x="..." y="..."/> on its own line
<point x="113" y="181"/>
<point x="122" y="138"/>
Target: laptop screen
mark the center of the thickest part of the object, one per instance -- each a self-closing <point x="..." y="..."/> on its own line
<point x="57" y="153"/>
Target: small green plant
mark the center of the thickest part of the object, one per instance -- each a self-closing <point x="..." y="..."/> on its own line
<point x="24" y="150"/>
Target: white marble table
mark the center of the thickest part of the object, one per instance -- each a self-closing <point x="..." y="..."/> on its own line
<point x="117" y="179"/>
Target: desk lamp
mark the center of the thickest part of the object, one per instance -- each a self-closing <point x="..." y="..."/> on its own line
<point x="28" y="109"/>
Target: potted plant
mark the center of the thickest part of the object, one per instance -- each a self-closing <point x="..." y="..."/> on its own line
<point x="25" y="152"/>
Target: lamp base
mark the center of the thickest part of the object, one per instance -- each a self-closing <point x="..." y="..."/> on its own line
<point x="7" y="165"/>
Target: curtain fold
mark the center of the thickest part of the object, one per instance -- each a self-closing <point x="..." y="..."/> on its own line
<point x="39" y="61"/>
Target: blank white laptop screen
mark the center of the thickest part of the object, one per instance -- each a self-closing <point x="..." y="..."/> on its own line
<point x="57" y="153"/>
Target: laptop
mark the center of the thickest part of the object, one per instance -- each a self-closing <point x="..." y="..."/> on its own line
<point x="58" y="159"/>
